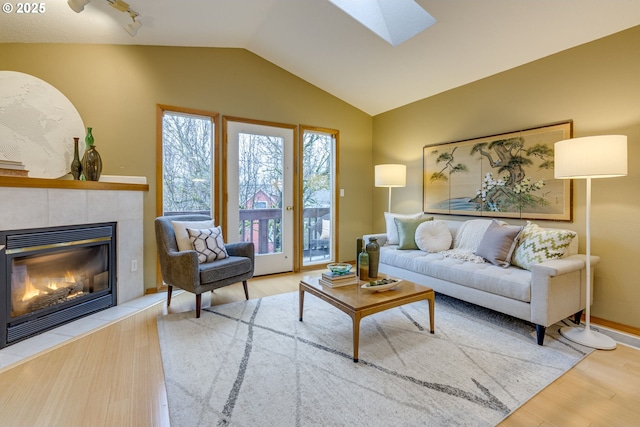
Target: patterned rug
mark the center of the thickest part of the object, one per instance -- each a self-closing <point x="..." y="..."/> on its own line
<point x="253" y="363"/>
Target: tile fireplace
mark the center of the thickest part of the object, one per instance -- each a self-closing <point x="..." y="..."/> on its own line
<point x="34" y="203"/>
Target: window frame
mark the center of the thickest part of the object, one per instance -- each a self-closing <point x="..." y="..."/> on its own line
<point x="335" y="208"/>
<point x="216" y="164"/>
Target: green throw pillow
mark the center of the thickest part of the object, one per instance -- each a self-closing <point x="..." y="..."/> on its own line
<point x="538" y="244"/>
<point x="407" y="231"/>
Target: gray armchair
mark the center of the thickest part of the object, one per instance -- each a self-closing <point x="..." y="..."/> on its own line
<point x="181" y="269"/>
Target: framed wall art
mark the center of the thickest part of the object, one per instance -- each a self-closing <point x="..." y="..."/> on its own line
<point x="508" y="175"/>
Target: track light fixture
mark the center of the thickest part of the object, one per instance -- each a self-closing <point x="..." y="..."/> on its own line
<point x="131" y="28"/>
<point x="77" y="5"/>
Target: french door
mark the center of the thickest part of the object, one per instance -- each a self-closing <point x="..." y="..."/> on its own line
<point x="259" y="185"/>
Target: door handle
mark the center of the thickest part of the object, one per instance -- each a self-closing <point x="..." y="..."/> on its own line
<point x="289" y="208"/>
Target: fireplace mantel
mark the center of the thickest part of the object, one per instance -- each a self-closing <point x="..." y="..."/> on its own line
<point x="21" y="182"/>
<point x="35" y="203"/>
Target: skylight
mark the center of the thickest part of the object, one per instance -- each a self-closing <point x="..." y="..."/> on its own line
<point x="393" y="20"/>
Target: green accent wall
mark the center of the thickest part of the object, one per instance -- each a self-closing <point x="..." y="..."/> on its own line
<point x="116" y="89"/>
<point x="597" y="85"/>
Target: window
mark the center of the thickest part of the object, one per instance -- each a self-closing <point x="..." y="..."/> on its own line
<point x="186" y="165"/>
<point x="318" y="194"/>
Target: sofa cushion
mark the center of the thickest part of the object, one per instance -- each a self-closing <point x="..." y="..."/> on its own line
<point x="182" y="237"/>
<point x="510" y="282"/>
<point x="407" y="231"/>
<point x="433" y="236"/>
<point x="392" y="230"/>
<point x="537" y="244"/>
<point x="498" y="243"/>
<point x="224" y="269"/>
<point x="208" y="243"/>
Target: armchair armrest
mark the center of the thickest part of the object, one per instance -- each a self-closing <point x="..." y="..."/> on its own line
<point x="180" y="269"/>
<point x="243" y="249"/>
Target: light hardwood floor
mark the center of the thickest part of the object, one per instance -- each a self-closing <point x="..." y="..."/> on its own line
<point x="114" y="377"/>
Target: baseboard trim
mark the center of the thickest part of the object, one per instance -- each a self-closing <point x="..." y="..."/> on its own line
<point x="617" y="326"/>
<point x="620" y="333"/>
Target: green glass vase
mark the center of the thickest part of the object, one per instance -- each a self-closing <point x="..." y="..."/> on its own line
<point x="88" y="140"/>
<point x="363" y="265"/>
<point x="91" y="161"/>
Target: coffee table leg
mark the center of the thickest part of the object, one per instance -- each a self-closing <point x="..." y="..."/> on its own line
<point x="356" y="337"/>
<point x="301" y="303"/>
<point x="431" y="316"/>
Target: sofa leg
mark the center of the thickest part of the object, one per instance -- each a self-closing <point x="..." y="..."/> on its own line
<point x="198" y="305"/>
<point x="246" y="290"/>
<point x="577" y="317"/>
<point x="169" y="290"/>
<point x="540" y="331"/>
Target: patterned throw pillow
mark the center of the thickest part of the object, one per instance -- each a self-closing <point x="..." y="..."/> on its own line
<point x="182" y="237"/>
<point x="208" y="243"/>
<point x="536" y="245"/>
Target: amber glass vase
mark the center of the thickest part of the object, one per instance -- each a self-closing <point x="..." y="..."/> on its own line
<point x="76" y="164"/>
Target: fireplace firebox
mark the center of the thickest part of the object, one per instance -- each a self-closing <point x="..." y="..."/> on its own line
<point x="51" y="276"/>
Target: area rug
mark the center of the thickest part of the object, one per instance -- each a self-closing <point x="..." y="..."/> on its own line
<point x="253" y="363"/>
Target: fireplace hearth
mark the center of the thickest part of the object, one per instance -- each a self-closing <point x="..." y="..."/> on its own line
<point x="51" y="276"/>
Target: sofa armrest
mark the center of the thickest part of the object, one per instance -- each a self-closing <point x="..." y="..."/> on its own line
<point x="558" y="288"/>
<point x="381" y="238"/>
<point x="556" y="267"/>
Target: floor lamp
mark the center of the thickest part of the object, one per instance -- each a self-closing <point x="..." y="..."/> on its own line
<point x="390" y="176"/>
<point x="586" y="158"/>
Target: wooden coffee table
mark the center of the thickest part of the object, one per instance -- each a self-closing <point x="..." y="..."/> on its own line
<point x="358" y="302"/>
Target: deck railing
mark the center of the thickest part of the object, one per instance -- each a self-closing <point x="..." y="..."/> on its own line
<point x="263" y="227"/>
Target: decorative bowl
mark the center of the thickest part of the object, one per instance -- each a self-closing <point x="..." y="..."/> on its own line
<point x="339" y="267"/>
<point x="381" y="285"/>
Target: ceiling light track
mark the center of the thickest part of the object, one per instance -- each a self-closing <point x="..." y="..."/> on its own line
<point x="131" y="28"/>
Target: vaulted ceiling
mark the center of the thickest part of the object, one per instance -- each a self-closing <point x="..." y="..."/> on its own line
<point x="318" y="42"/>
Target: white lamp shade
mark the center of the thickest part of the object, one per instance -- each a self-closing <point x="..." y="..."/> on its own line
<point x="391" y="175"/>
<point x="602" y="156"/>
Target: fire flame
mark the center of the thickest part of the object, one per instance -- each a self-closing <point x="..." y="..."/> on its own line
<point x="30" y="291"/>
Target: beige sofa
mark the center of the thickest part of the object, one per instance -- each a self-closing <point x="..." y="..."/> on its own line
<point x="543" y="294"/>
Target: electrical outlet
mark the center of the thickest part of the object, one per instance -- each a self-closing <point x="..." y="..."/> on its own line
<point x="134" y="265"/>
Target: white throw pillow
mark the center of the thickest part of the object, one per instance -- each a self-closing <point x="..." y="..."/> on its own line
<point x="392" y="229"/>
<point x="208" y="243"/>
<point x="326" y="229"/>
<point x="433" y="236"/>
<point x="182" y="237"/>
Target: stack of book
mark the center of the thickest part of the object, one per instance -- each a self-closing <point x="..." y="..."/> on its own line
<point x="12" y="168"/>
<point x="334" y="280"/>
